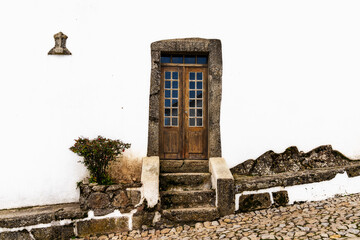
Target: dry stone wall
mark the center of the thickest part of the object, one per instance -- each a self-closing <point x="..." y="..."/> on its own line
<point x="103" y="199"/>
<point x="290" y="168"/>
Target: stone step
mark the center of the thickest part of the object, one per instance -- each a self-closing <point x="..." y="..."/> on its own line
<point x="184" y="181"/>
<point x="191" y="214"/>
<point x="184" y="166"/>
<point x="187" y="199"/>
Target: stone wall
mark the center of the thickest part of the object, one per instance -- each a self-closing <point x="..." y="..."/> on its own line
<point x="265" y="181"/>
<point x="102" y="209"/>
<point x="103" y="199"/>
<point x="292" y="160"/>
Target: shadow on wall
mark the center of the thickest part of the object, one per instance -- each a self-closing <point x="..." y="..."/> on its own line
<point x="126" y="169"/>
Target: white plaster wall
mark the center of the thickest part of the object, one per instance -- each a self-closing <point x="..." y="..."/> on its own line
<point x="291" y="73"/>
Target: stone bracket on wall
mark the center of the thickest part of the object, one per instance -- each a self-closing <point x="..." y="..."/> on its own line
<point x="60" y="45"/>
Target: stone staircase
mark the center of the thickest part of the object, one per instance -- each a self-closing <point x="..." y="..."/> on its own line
<point x="185" y="191"/>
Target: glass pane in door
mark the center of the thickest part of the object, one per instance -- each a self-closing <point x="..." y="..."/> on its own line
<point x="171" y="93"/>
<point x="195" y="79"/>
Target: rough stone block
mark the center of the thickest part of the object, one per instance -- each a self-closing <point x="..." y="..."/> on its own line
<point x="98" y="200"/>
<point x="54" y="233"/>
<point x="99" y="188"/>
<point x="20" y="235"/>
<point x="187" y="199"/>
<point x="192" y="181"/>
<point x="281" y="198"/>
<point x="226" y="197"/>
<point x="21" y="217"/>
<point x="251" y="202"/>
<point x="150" y="179"/>
<point x="223" y="181"/>
<point x="20" y="221"/>
<point x="135" y="196"/>
<point x="191" y="214"/>
<point x="137" y="222"/>
<point x="102" y="226"/>
<point x="184" y="166"/>
<point x="353" y="171"/>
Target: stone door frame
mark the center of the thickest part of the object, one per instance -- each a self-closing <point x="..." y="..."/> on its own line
<point x="212" y="47"/>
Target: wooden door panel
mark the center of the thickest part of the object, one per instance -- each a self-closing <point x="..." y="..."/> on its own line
<point x="171" y="138"/>
<point x="196" y="143"/>
<point x="183" y="113"/>
<point x="195" y="118"/>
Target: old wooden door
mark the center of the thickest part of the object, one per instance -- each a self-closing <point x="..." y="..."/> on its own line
<point x="183" y="111"/>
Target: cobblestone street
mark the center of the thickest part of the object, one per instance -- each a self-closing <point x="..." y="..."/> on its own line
<point x="335" y="218"/>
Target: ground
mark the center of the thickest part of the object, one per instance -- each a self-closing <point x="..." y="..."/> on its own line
<point x="335" y="218"/>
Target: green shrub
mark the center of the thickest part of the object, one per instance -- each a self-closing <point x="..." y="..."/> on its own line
<point x="97" y="153"/>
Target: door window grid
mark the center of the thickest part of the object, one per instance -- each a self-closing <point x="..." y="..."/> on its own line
<point x="171" y="92"/>
<point x="195" y="99"/>
<point x="183" y="59"/>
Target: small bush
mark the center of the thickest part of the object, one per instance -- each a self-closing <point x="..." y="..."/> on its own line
<point x="97" y="153"/>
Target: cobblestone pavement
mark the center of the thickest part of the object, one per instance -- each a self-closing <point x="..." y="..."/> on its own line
<point x="335" y="218"/>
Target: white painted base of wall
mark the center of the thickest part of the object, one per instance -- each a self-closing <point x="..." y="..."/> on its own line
<point x="341" y="184"/>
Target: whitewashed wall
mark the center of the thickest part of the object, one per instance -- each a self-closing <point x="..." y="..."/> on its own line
<point x="291" y="73"/>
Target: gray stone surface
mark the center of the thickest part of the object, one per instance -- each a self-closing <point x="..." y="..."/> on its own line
<point x="134" y="196"/>
<point x="144" y="218"/>
<point x="281" y="198"/>
<point x="291" y="160"/>
<point x="251" y="202"/>
<point x="188" y="45"/>
<point x="250" y="183"/>
<point x="191" y="214"/>
<point x="184" y="166"/>
<point x="121" y="199"/>
<point x="187" y="199"/>
<point x="223" y="182"/>
<point x="179" y="181"/>
<point x="104" y="199"/>
<point x="98" y="200"/>
<point x="101" y="226"/>
<point x="226" y="196"/>
<point x="20" y="235"/>
<point x="353" y="170"/>
<point x="21" y="217"/>
<point x="65" y="232"/>
<point x="292" y="168"/>
<point x="336" y="218"/>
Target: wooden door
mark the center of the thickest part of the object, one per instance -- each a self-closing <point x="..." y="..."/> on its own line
<point x="183" y="113"/>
